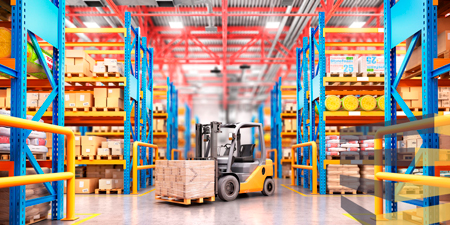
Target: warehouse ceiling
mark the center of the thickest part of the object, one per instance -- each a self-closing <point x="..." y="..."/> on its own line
<point x="188" y="54"/>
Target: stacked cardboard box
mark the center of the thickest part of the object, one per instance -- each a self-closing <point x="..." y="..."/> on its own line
<point x="290" y="108"/>
<point x="97" y="171"/>
<point x="348" y="183"/>
<point x="113" y="179"/>
<point x="111" y="147"/>
<point x="366" y="183"/>
<point x="34" y="99"/>
<point x="78" y="100"/>
<point x="371" y="64"/>
<point x="115" y="98"/>
<point x="90" y="144"/>
<point x="444" y="97"/>
<point x="412" y="96"/>
<point x="443" y="46"/>
<point x="110" y="66"/>
<point x="86" y="185"/>
<point x="158" y="108"/>
<point x="80" y="171"/>
<point x="185" y="179"/>
<point x="78" y="62"/>
<point x="290" y="125"/>
<point x="32" y="191"/>
<point x="5" y="98"/>
<point x="159" y="125"/>
<point x="342" y="64"/>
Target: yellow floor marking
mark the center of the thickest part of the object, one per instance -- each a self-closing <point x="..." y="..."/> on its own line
<point x="293" y="190"/>
<point x="353" y="218"/>
<point x="91" y="215"/>
<point x="324" y="195"/>
<point x="146" y="193"/>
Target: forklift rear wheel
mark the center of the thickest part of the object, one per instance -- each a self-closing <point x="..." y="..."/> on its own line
<point x="228" y="188"/>
<point x="269" y="187"/>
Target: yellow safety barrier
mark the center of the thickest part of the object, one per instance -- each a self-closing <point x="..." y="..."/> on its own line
<point x="313" y="161"/>
<point x="173" y="152"/>
<point x="135" y="163"/>
<point x="414" y="179"/>
<point x="276" y="159"/>
<point x="41" y="178"/>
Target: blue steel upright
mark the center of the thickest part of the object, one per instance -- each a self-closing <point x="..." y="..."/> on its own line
<point x="402" y="20"/>
<point x="143" y="137"/>
<point x="275" y="113"/>
<point x="149" y="110"/>
<point x="187" y="132"/>
<point x="27" y="19"/>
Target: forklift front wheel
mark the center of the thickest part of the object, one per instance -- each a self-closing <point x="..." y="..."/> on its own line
<point x="269" y="187"/>
<point x="228" y="188"/>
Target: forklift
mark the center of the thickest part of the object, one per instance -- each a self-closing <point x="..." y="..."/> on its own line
<point x="237" y="171"/>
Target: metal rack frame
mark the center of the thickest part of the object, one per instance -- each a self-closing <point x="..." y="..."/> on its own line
<point x="27" y="18"/>
<point x="426" y="26"/>
<point x="172" y="120"/>
<point x="187" y="132"/>
<point x="276" y="124"/>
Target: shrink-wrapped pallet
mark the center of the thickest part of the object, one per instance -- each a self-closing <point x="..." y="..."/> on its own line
<point x="185" y="179"/>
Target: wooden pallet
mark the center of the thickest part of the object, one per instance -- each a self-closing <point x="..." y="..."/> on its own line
<point x="38" y="156"/>
<point x="85" y="157"/>
<point x="185" y="201"/>
<point x="411" y="190"/>
<point x="108" y="74"/>
<point x="405" y="156"/>
<point x="77" y="75"/>
<point x="331" y="129"/>
<point x="109" y="157"/>
<point x="342" y="191"/>
<point x="78" y="109"/>
<point x="109" y="191"/>
<point x="367" y="157"/>
<point x="106" y="109"/>
<point x="412" y="217"/>
<point x="32" y="109"/>
<point x="331" y="157"/>
<point x="32" y="221"/>
<point x="350" y="157"/>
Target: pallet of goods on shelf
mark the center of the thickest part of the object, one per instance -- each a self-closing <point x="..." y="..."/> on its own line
<point x="183" y="181"/>
<point x="366" y="183"/>
<point x="33" y="213"/>
<point x="99" y="178"/>
<point x="108" y="68"/>
<point x="78" y="64"/>
<point x="348" y="147"/>
<point x="343" y="179"/>
<point x="414" y="66"/>
<point x="290" y="125"/>
<point x="354" y="103"/>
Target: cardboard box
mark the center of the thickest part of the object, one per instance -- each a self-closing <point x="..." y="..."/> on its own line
<point x="371" y="64"/>
<point x="80" y="57"/>
<point x="116" y="151"/>
<point x="99" y="69"/>
<point x="69" y="61"/>
<point x="118" y="183"/>
<point x="110" y="62"/>
<point x="92" y="140"/>
<point x="103" y="151"/>
<point x="106" y="184"/>
<point x="77" y="150"/>
<point x="115" y="144"/>
<point x="84" y="100"/>
<point x="109" y="172"/>
<point x="114" y="103"/>
<point x="115" y="93"/>
<point x="104" y="144"/>
<point x="70" y="100"/>
<point x="343" y="64"/>
<point x="100" y="63"/>
<point x="77" y="140"/>
<point x="32" y="103"/>
<point x="88" y="150"/>
<point x="33" y="96"/>
<point x="100" y="102"/>
<point x="2" y="102"/>
<point x="3" y="93"/>
<point x="80" y="68"/>
<point x="86" y="185"/>
<point x="43" y="96"/>
<point x="117" y="175"/>
<point x="100" y="92"/>
<point x="443" y="44"/>
<point x="40" y="102"/>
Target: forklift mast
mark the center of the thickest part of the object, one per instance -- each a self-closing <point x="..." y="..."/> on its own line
<point x="206" y="134"/>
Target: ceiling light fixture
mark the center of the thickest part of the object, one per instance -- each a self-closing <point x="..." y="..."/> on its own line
<point x="272" y="24"/>
<point x="357" y="24"/>
<point x="176" y="25"/>
<point x="91" y="25"/>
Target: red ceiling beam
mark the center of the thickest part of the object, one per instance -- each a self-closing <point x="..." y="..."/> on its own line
<point x="116" y="10"/>
<point x="221" y="15"/>
<point x="331" y="11"/>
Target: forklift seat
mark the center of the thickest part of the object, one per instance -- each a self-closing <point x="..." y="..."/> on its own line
<point x="246" y="154"/>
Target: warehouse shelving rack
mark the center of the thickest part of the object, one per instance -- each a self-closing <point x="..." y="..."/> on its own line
<point x="27" y="19"/>
<point x="187" y="131"/>
<point x="395" y="31"/>
<point x="172" y="120"/>
<point x="276" y="124"/>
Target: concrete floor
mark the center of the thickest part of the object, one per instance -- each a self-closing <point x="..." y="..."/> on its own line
<point x="285" y="207"/>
